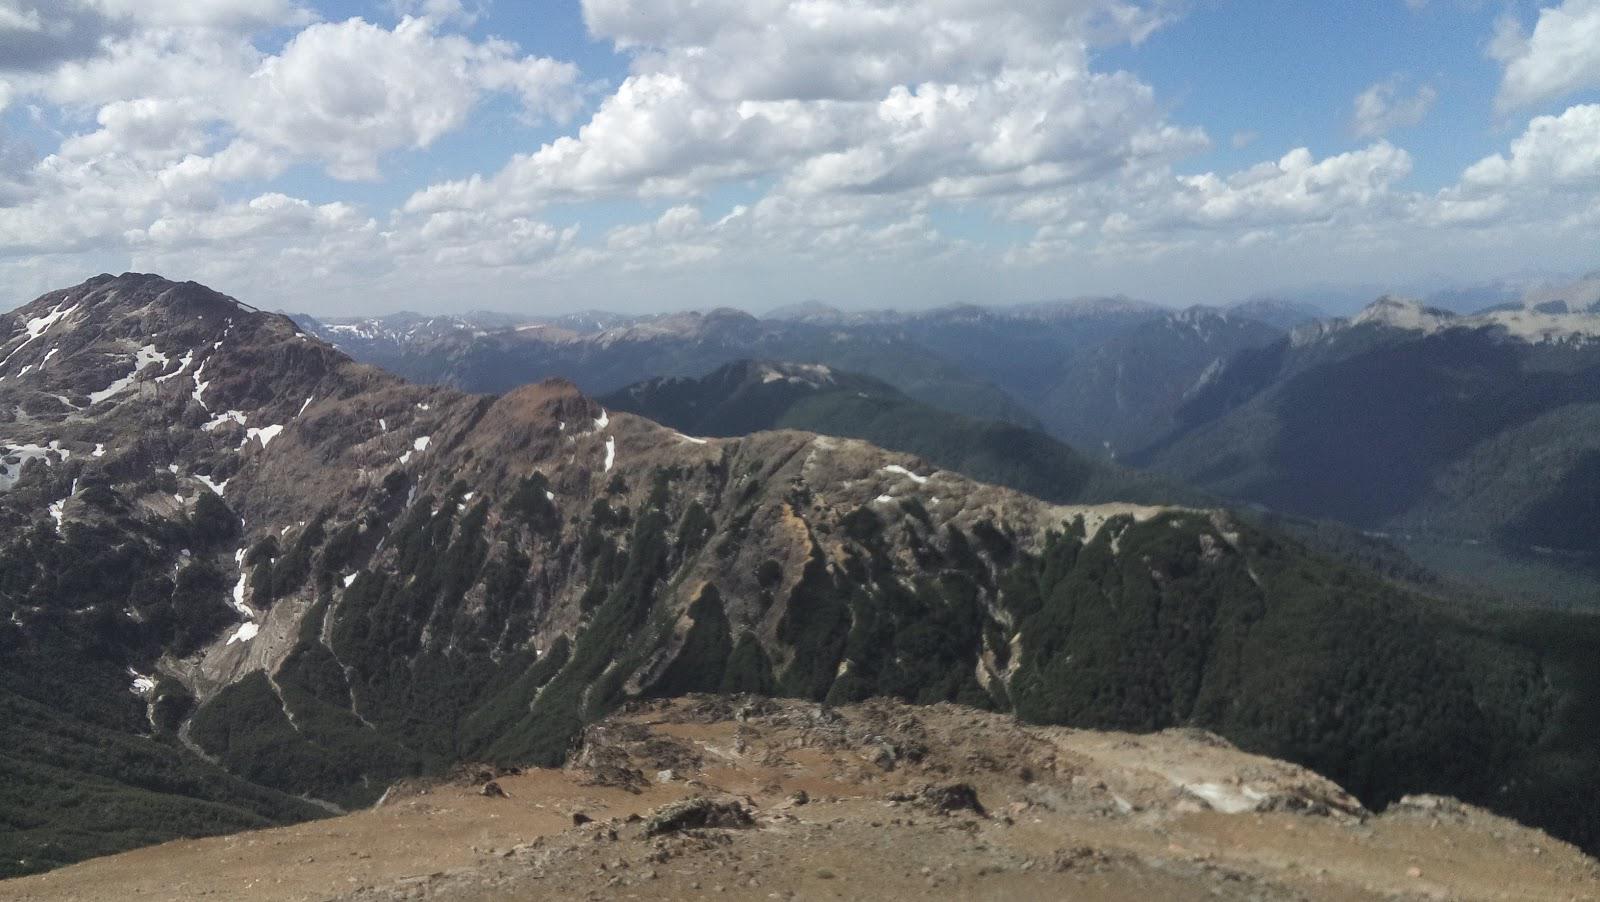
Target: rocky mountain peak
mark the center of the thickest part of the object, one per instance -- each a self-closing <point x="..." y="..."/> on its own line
<point x="1552" y="321"/>
<point x="1403" y="313"/>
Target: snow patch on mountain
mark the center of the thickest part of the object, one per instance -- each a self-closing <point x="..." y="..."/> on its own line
<point x="902" y="471"/>
<point x="11" y="472"/>
<point x="183" y="365"/>
<point x="141" y="685"/>
<point x="41" y="324"/>
<point x="237" y="599"/>
<point x="38" y="326"/>
<point x="236" y="416"/>
<point x="200" y="386"/>
<point x="142" y="358"/>
<point x="265" y="433"/>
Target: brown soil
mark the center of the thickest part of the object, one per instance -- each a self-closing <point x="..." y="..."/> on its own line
<point x="864" y="802"/>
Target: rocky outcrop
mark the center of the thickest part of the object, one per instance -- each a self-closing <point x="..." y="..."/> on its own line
<point x="1070" y="814"/>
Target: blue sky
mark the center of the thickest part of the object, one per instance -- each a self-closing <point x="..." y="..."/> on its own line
<point x="1293" y="82"/>
<point x="346" y="156"/>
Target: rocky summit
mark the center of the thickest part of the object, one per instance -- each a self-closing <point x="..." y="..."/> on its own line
<point x="750" y="798"/>
<point x="246" y="581"/>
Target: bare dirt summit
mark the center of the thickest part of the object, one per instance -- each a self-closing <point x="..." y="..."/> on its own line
<point x="743" y="797"/>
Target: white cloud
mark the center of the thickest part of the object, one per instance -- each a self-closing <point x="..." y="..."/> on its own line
<point x="38" y="36"/>
<point x="1382" y="108"/>
<point x="322" y="244"/>
<point x="859" y="137"/>
<point x="1562" y="55"/>
<point x="826" y="232"/>
<point x="268" y="215"/>
<point x="1025" y="131"/>
<point x="341" y="94"/>
<point x="19" y="18"/>
<point x="346" y="93"/>
<point x="441" y="10"/>
<point x="208" y="13"/>
<point x="952" y="98"/>
<point x="1555" y="152"/>
<point x="1296" y="190"/>
<point x="204" y="67"/>
<point x="480" y="240"/>
<point x="148" y="129"/>
<point x="185" y="110"/>
<point x="858" y="49"/>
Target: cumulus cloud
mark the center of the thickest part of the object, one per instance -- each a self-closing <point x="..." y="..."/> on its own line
<point x="1554" y="152"/>
<point x="39" y="34"/>
<point x="849" y="131"/>
<point x="950" y="97"/>
<point x="441" y="10"/>
<point x="320" y="244"/>
<point x="184" y="109"/>
<point x="857" y="49"/>
<point x="1560" y="56"/>
<point x="1385" y="106"/>
<point x="269" y="215"/>
<point x="1158" y="211"/>
<point x="1296" y="188"/>
<point x="207" y="13"/>
<point x="781" y="227"/>
<point x="342" y="94"/>
<point x="481" y="240"/>
<point x="347" y="92"/>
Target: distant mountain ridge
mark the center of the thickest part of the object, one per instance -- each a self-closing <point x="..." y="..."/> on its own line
<point x="1103" y="374"/>
<point x="628" y="350"/>
<point x="1473" y="429"/>
<point x="749" y="396"/>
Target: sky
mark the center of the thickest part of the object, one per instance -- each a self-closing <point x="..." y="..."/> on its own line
<point x="366" y="156"/>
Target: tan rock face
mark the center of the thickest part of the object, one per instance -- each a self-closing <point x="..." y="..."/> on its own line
<point x="1065" y="814"/>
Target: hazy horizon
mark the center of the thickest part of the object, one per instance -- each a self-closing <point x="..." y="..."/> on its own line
<point x="1328" y="300"/>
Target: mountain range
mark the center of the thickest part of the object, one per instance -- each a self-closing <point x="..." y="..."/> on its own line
<point x="601" y="353"/>
<point x="1104" y="375"/>
<point x="752" y="396"/>
<point x="247" y="580"/>
<point x="1476" y="432"/>
<point x="1457" y="437"/>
